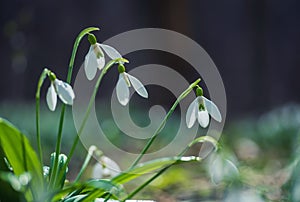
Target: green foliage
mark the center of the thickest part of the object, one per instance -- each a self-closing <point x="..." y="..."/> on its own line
<point x="22" y="158"/>
<point x="7" y="191"/>
<point x="145" y="168"/>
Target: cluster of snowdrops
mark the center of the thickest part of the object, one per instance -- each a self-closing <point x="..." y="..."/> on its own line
<point x="23" y="168"/>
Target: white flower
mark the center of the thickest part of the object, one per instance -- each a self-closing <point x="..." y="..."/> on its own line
<point x="125" y="81"/>
<point x="64" y="92"/>
<point x="105" y="168"/>
<point x="195" y="111"/>
<point x="95" y="58"/>
<point x="222" y="169"/>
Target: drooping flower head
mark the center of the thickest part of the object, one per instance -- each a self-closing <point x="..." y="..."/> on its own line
<point x="61" y="89"/>
<point x="105" y="168"/>
<point x="95" y="59"/>
<point x="125" y="82"/>
<point x="200" y="109"/>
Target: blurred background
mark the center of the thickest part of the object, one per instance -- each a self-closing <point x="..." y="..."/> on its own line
<point x="255" y="45"/>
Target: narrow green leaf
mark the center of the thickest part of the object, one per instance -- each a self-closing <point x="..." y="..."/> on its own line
<point x="150" y="166"/>
<point x="20" y="155"/>
<point x="89" y="190"/>
<point x="66" y="192"/>
<point x="98" y="188"/>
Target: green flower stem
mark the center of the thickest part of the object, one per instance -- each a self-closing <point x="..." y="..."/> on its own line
<point x="37" y="113"/>
<point x="137" y="190"/>
<point x="75" y="47"/>
<point x="53" y="175"/>
<point x="154" y="136"/>
<point x="149" y="143"/>
<point x="91" y="102"/>
<point x="197" y="140"/>
<point x="88" y="157"/>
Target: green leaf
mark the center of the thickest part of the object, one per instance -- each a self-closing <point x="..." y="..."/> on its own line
<point x="66" y="192"/>
<point x="150" y="166"/>
<point x="104" y="185"/>
<point x="3" y="162"/>
<point x="7" y="192"/>
<point x="21" y="156"/>
<point x="90" y="190"/>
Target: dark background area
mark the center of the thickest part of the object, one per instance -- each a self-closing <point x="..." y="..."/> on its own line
<point x="255" y="44"/>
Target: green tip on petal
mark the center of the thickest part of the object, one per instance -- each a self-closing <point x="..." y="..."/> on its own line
<point x="121" y="68"/>
<point x="199" y="91"/>
<point x="52" y="76"/>
<point x="92" y="39"/>
<point x="201" y="107"/>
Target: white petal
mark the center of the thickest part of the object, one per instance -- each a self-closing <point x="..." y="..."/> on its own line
<point x="122" y="90"/>
<point x="105" y="168"/>
<point x="203" y="118"/>
<point x="51" y="98"/>
<point x="64" y="91"/>
<point x="111" y="165"/>
<point x="138" y="86"/>
<point x="212" y="109"/>
<point x="110" y="51"/>
<point x="90" y="64"/>
<point x="192" y="113"/>
<point x="99" y="56"/>
<point x="97" y="172"/>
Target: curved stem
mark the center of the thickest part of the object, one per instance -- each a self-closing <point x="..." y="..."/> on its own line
<point x="88" y="157"/>
<point x="90" y="105"/>
<point x="132" y="194"/>
<point x="183" y="95"/>
<point x="154" y="136"/>
<point x="75" y="47"/>
<point x="197" y="140"/>
<point x="53" y="175"/>
<point x="37" y="114"/>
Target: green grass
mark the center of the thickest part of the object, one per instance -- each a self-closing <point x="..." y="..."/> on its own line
<point x="265" y="147"/>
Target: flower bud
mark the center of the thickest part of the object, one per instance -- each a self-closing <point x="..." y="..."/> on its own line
<point x="62" y="160"/>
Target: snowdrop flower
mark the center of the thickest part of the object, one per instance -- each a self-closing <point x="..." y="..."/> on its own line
<point x="20" y="182"/>
<point x="200" y="109"/>
<point x="125" y="81"/>
<point x="105" y="168"/>
<point x="94" y="59"/>
<point x="222" y="169"/>
<point x="60" y="88"/>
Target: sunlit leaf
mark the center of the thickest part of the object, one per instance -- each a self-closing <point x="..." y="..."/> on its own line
<point x="91" y="190"/>
<point x="21" y="155"/>
<point x="151" y="166"/>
